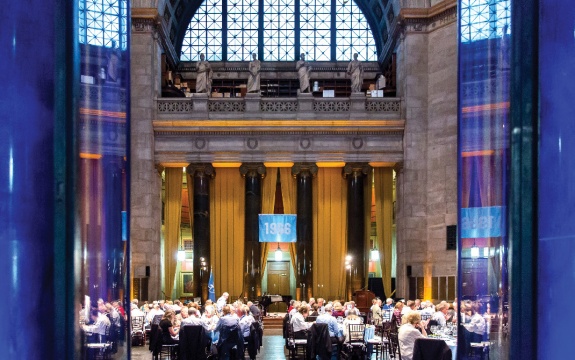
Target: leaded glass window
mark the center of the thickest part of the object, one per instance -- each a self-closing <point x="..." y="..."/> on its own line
<point x="103" y="23"/>
<point x="484" y="19"/>
<point x="315" y="25"/>
<point x="204" y="34"/>
<point x="353" y="34"/>
<point x="242" y="29"/>
<point x="279" y="34"/>
<point x="275" y="24"/>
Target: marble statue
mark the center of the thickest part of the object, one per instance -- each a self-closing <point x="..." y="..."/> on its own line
<point x="254" y="76"/>
<point x="355" y="72"/>
<point x="204" y="77"/>
<point x="303" y="72"/>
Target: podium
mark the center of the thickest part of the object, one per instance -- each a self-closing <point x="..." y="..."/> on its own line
<point x="363" y="299"/>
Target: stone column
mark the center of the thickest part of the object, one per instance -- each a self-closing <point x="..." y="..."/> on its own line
<point x="201" y="175"/>
<point x="146" y="181"/>
<point x="355" y="174"/>
<point x="304" y="173"/>
<point x="253" y="175"/>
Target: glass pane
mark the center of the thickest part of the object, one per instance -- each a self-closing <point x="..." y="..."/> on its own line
<point x="353" y="34"/>
<point x="315" y="34"/>
<point x="279" y="34"/>
<point x="102" y="23"/>
<point x="242" y="29"/>
<point x="102" y="269"/>
<point x="483" y="286"/>
<point x="197" y="40"/>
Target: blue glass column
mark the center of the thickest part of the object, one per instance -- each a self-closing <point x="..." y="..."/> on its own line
<point x="38" y="81"/>
<point x="483" y="151"/>
<point x="102" y="255"/>
<point x="555" y="176"/>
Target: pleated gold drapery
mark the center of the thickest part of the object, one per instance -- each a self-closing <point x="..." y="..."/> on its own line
<point x="227" y="223"/>
<point x="289" y="197"/>
<point x="190" y="187"/>
<point x="383" y="180"/>
<point x="268" y="203"/>
<point x="330" y="234"/>
<point x="172" y="218"/>
<point x="367" y="189"/>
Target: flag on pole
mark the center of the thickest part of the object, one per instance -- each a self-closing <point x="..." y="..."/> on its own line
<point x="211" y="289"/>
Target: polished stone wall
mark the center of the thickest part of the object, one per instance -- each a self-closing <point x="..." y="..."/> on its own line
<point x="427" y="179"/>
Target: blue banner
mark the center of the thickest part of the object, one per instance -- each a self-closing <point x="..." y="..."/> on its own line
<point x="278" y="228"/>
<point x="211" y="288"/>
<point x="482" y="222"/>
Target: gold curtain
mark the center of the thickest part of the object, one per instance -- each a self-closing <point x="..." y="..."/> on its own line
<point x="268" y="203"/>
<point x="384" y="218"/>
<point x="289" y="197"/>
<point x="227" y="223"/>
<point x="367" y="189"/>
<point x="329" y="233"/>
<point x="190" y="186"/>
<point x="172" y="218"/>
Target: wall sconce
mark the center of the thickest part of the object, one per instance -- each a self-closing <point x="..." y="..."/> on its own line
<point x="203" y="264"/>
<point x="181" y="253"/>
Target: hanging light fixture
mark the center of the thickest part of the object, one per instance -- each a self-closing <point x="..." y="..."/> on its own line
<point x="474" y="251"/>
<point x="374" y="255"/>
<point x="278" y="253"/>
<point x="181" y="253"/>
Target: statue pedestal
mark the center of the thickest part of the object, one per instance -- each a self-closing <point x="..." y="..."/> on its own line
<point x="305" y="103"/>
<point x="357" y="105"/>
<point x="253" y="102"/>
<point x="200" y="101"/>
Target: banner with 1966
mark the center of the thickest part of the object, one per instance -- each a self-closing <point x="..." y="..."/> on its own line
<point x="278" y="228"/>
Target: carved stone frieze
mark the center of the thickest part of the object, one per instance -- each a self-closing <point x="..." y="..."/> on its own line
<point x="428" y="19"/>
<point x="147" y="20"/>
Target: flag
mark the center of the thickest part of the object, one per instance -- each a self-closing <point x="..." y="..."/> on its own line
<point x="211" y="289"/>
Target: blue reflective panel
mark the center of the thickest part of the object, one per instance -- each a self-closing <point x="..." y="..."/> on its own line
<point x="242" y="29"/>
<point x="278" y="32"/>
<point x="197" y="40"/>
<point x="103" y="23"/>
<point x="353" y="34"/>
<point x="315" y="34"/>
<point x="484" y="19"/>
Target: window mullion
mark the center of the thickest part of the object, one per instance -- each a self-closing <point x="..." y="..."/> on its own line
<point x="224" y="30"/>
<point x="297" y="31"/>
<point x="333" y="29"/>
<point x="261" y="29"/>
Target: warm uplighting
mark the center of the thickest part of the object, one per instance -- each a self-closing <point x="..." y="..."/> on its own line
<point x="181" y="254"/>
<point x="474" y="251"/>
<point x="348" y="258"/>
<point x="278" y="254"/>
<point x="374" y="255"/>
<point x="348" y="266"/>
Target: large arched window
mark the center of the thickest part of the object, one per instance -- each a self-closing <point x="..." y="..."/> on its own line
<point x="328" y="30"/>
<point x="103" y="23"/>
<point x="484" y="19"/>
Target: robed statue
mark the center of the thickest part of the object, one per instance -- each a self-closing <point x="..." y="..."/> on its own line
<point x="355" y="72"/>
<point x="254" y="76"/>
<point x="204" y="76"/>
<point x="303" y="72"/>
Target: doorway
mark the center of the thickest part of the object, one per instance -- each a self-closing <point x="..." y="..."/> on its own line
<point x="278" y="283"/>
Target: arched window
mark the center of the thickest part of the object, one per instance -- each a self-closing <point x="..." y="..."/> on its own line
<point x="103" y="23"/>
<point x="484" y="19"/>
<point x="328" y="30"/>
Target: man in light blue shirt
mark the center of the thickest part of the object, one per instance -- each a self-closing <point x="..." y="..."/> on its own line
<point x="327" y="318"/>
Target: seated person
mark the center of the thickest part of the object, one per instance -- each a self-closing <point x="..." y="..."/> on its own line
<point x="245" y="320"/>
<point x="396" y="317"/>
<point x="337" y="310"/>
<point x="227" y="325"/>
<point x="388" y="304"/>
<point x="441" y="314"/>
<point x="327" y="318"/>
<point x="97" y="330"/>
<point x="314" y="310"/>
<point x="352" y="318"/>
<point x="408" y="332"/>
<point x="300" y="326"/>
<point x="474" y="328"/>
<point x="169" y="332"/>
<point x="351" y="308"/>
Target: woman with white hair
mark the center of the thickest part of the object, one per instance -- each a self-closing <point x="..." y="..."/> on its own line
<point x="408" y="332"/>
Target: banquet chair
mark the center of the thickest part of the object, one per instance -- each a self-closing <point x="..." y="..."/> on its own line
<point x="102" y="349"/>
<point x="137" y="331"/>
<point x="295" y="346"/>
<point x="379" y="343"/>
<point x="194" y="343"/>
<point x="394" y="349"/>
<point x="431" y="349"/>
<point x="355" y="346"/>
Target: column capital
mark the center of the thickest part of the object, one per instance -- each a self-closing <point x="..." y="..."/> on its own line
<point x="201" y="169"/>
<point x="253" y="170"/>
<point x="355" y="169"/>
<point x="304" y="169"/>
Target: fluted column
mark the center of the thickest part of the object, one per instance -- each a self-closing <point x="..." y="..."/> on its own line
<point x="304" y="173"/>
<point x="355" y="174"/>
<point x="253" y="175"/>
<point x="201" y="175"/>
